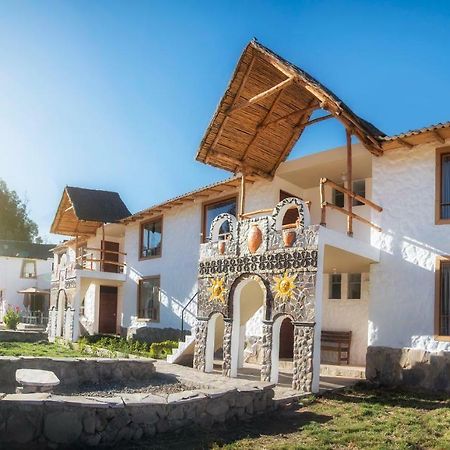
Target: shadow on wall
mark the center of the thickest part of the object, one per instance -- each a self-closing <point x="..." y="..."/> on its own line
<point x="409" y="368"/>
<point x="407" y="291"/>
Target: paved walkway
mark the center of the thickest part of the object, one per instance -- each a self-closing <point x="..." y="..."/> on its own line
<point x="247" y="377"/>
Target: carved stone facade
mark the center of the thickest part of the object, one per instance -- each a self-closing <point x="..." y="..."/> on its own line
<point x="201" y="329"/>
<point x="285" y="269"/>
<point x="303" y="357"/>
<point x="266" y="366"/>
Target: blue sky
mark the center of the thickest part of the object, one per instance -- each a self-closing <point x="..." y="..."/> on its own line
<point x="117" y="95"/>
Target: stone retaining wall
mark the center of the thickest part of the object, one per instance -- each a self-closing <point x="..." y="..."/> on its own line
<point x="408" y="367"/>
<point x="74" y="372"/>
<point x="22" y="336"/>
<point x="51" y="420"/>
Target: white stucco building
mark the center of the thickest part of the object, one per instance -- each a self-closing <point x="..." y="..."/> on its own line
<point x="379" y="211"/>
<point x="25" y="266"/>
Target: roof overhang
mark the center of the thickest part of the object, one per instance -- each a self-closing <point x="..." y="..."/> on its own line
<point x="67" y="223"/>
<point x="264" y="111"/>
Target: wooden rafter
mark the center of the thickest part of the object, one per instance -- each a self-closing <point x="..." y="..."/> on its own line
<point x="262" y="95"/>
<point x="405" y="143"/>
<point x="438" y="136"/>
<point x="266" y="117"/>
<point x="287" y="116"/>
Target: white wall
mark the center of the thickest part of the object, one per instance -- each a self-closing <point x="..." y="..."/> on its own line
<point x="401" y="311"/>
<point x="346" y="314"/>
<point x="11" y="282"/>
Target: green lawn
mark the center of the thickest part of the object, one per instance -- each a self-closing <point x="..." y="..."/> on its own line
<point x="356" y="418"/>
<point x="37" y="349"/>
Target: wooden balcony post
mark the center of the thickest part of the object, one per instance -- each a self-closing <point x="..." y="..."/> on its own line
<point x="348" y="134"/>
<point x="242" y="197"/>
<point x="323" y="204"/>
<point x="102" y="251"/>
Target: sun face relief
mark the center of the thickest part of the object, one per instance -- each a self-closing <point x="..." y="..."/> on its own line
<point x="284" y="286"/>
<point x="217" y="290"/>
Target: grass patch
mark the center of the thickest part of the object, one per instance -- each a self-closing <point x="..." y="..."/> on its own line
<point x="355" y="418"/>
<point x="42" y="348"/>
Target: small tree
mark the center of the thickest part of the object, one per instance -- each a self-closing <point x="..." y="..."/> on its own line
<point x="14" y="221"/>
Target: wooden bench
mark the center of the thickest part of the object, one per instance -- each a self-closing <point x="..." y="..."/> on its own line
<point x="339" y="342"/>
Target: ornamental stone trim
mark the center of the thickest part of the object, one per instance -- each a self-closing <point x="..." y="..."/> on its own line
<point x="303" y="357"/>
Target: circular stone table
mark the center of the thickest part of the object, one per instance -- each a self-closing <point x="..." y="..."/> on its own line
<point x="35" y="380"/>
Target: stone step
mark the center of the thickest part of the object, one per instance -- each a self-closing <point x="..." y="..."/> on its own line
<point x="331" y="370"/>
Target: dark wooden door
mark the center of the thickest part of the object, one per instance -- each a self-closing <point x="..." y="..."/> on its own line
<point x="112" y="255"/>
<point x="107" y="321"/>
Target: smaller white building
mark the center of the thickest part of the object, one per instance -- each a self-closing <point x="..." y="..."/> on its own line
<point x="25" y="266"/>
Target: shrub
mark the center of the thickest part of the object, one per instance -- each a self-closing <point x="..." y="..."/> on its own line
<point x="159" y="350"/>
<point x="12" y="317"/>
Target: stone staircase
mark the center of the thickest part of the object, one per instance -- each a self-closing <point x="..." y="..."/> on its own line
<point x="184" y="352"/>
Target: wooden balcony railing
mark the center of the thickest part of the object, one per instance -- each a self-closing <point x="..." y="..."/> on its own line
<point x="102" y="260"/>
<point x="347" y="211"/>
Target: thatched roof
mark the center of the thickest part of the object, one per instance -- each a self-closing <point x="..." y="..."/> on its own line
<point x="266" y="107"/>
<point x="21" y="249"/>
<point x="81" y="211"/>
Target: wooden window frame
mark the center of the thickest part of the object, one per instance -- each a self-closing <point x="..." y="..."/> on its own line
<point x="440" y="152"/>
<point x="208" y="203"/>
<point x="330" y="284"/>
<point x="360" y="285"/>
<point x="437" y="298"/>
<point x="144" y="319"/>
<point x="25" y="261"/>
<point x="141" y="233"/>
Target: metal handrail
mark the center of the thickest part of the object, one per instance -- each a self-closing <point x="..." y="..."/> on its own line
<point x="184" y="309"/>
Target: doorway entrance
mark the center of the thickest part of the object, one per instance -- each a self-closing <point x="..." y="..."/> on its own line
<point x="107" y="322"/>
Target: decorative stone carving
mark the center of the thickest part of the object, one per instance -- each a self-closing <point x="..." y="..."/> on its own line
<point x="69" y="319"/>
<point x="303" y="357"/>
<point x="200" y="344"/>
<point x="266" y="365"/>
<point x="226" y="366"/>
<point x="51" y="326"/>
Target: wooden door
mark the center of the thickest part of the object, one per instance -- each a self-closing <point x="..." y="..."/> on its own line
<point x="112" y="255"/>
<point x="107" y="321"/>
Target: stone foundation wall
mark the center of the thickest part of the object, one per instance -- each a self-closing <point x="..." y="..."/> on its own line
<point x="152" y="334"/>
<point x="74" y="372"/>
<point x="57" y="421"/>
<point x="22" y="336"/>
<point x="408" y="367"/>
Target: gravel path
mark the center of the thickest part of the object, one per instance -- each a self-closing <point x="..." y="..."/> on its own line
<point x="159" y="384"/>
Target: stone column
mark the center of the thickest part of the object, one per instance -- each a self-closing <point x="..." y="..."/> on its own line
<point x="226" y="366"/>
<point x="303" y="356"/>
<point x="201" y="329"/>
<point x="266" y="364"/>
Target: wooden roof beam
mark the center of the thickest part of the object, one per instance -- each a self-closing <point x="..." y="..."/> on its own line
<point x="288" y="116"/>
<point x="244" y="168"/>
<point x="438" y="136"/>
<point x="405" y="143"/>
<point x="263" y="95"/>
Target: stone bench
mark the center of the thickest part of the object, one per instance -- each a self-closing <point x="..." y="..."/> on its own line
<point x="35" y="380"/>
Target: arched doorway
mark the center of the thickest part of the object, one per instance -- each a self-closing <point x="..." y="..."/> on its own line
<point x="214" y="342"/>
<point x="282" y="349"/>
<point x="249" y="299"/>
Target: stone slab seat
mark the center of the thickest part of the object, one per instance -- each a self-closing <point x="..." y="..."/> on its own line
<point x="36" y="380"/>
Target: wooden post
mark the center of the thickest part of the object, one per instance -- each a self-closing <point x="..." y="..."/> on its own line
<point x="102" y="257"/>
<point x="323" y="205"/>
<point x="242" y="197"/>
<point x="348" y="134"/>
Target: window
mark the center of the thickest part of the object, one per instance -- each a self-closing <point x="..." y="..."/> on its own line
<point x="291" y="215"/>
<point x="151" y="239"/>
<point x="335" y="286"/>
<point x="443" y="185"/>
<point x="354" y="286"/>
<point x="359" y="187"/>
<point x="212" y="210"/>
<point x="442" y="311"/>
<point x="28" y="269"/>
<point x="338" y="198"/>
<point x="148" y="303"/>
